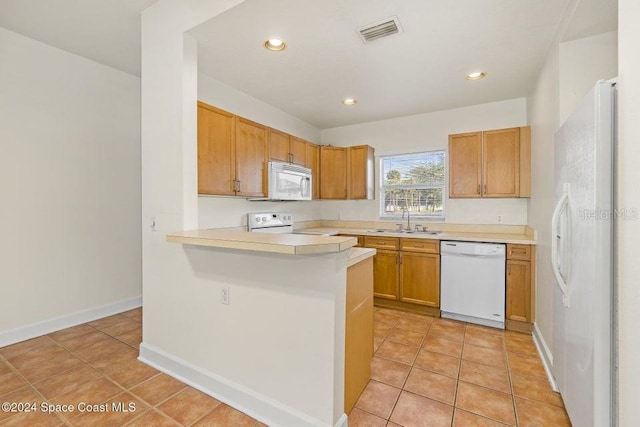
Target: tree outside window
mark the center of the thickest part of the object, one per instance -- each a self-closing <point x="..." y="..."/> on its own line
<point x="414" y="183"/>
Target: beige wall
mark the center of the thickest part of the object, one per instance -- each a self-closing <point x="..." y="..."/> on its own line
<point x="628" y="246"/>
<point x="582" y="63"/>
<point x="70" y="185"/>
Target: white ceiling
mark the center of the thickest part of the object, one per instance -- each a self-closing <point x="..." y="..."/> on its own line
<point x="420" y="70"/>
<point x="107" y="31"/>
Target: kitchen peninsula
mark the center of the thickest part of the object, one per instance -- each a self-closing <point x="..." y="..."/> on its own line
<point x="274" y="345"/>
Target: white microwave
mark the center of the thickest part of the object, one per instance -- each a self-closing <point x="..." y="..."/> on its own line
<point x="289" y="182"/>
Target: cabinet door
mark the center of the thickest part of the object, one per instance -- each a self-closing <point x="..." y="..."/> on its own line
<point x="333" y="173"/>
<point x="420" y="278"/>
<point x="385" y="274"/>
<point x="278" y="146"/>
<point x="216" y="166"/>
<point x="298" y="151"/>
<point x="360" y="172"/>
<point x="313" y="163"/>
<point x="465" y="165"/>
<point x="519" y="290"/>
<point x="501" y="163"/>
<point x="251" y="155"/>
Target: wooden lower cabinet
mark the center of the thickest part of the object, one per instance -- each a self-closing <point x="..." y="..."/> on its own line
<point x="520" y="295"/>
<point x="386" y="274"/>
<point x="519" y="290"/>
<point x="420" y="278"/>
<point x="406" y="270"/>
<point x="358" y="331"/>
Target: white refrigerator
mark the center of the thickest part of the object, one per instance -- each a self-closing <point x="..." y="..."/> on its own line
<point x="581" y="257"/>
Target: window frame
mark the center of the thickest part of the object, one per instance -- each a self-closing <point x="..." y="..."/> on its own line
<point x="382" y="187"/>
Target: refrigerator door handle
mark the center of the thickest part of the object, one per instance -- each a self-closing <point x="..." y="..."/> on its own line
<point x="555" y="242"/>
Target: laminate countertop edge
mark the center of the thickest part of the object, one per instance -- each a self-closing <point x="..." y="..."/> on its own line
<point x="358" y="255"/>
<point x="289" y="244"/>
<point x="484" y="237"/>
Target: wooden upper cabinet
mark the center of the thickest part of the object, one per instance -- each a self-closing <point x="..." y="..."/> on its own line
<point x="287" y="148"/>
<point x="251" y="157"/>
<point x="312" y="161"/>
<point x="216" y="151"/>
<point x="333" y="172"/>
<point x="465" y="165"/>
<point x="361" y="170"/>
<point x="501" y="163"/>
<point x="298" y="150"/>
<point x="494" y="163"/>
<point x="278" y="146"/>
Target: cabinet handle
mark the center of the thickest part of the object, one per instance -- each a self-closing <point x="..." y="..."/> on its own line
<point x="400" y="253"/>
<point x="398" y="258"/>
<point x="418" y="246"/>
<point x="290" y="158"/>
<point x="235" y="186"/>
<point x="509" y="269"/>
<point x="478" y="188"/>
<point x="345" y="193"/>
<point x="238" y="186"/>
<point x="518" y="251"/>
<point x="382" y="243"/>
<point x="485" y="189"/>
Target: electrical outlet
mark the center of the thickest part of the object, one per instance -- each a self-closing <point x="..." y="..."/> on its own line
<point x="225" y="295"/>
<point x="499" y="219"/>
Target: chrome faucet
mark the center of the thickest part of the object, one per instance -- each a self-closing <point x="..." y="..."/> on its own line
<point x="405" y="209"/>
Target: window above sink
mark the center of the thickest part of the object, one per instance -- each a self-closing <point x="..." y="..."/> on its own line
<point x="414" y="183"/>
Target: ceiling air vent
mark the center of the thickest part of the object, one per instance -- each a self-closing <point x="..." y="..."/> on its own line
<point x="384" y="28"/>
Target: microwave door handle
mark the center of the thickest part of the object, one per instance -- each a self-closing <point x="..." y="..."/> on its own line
<point x="304" y="186"/>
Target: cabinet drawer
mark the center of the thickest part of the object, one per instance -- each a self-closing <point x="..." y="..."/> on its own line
<point x="521" y="252"/>
<point x="420" y="245"/>
<point x="382" y="242"/>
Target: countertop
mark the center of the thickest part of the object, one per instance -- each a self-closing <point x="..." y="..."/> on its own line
<point x="359" y="254"/>
<point x="521" y="239"/>
<point x="292" y="244"/>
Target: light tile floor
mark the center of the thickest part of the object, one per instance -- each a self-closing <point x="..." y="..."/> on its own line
<point x="425" y="372"/>
<point x="96" y="363"/>
<point x="436" y="372"/>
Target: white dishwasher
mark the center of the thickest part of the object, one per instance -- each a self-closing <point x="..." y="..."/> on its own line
<point x="472" y="282"/>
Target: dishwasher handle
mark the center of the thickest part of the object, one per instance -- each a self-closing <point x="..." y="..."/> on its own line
<point x="498" y="255"/>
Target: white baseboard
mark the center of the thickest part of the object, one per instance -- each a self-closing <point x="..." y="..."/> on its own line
<point x="545" y="355"/>
<point x="256" y="405"/>
<point x="37" y="329"/>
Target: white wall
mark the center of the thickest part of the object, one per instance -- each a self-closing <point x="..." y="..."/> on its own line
<point x="425" y="132"/>
<point x="569" y="72"/>
<point x="582" y="63"/>
<point x="628" y="246"/>
<point x="70" y="183"/>
<point x="231" y="211"/>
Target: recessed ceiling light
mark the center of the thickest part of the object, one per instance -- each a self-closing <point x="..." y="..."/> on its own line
<point x="275" y="45"/>
<point x="476" y="76"/>
<point x="349" y="101"/>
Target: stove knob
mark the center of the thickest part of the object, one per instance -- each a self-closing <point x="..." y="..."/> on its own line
<point x="258" y="219"/>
